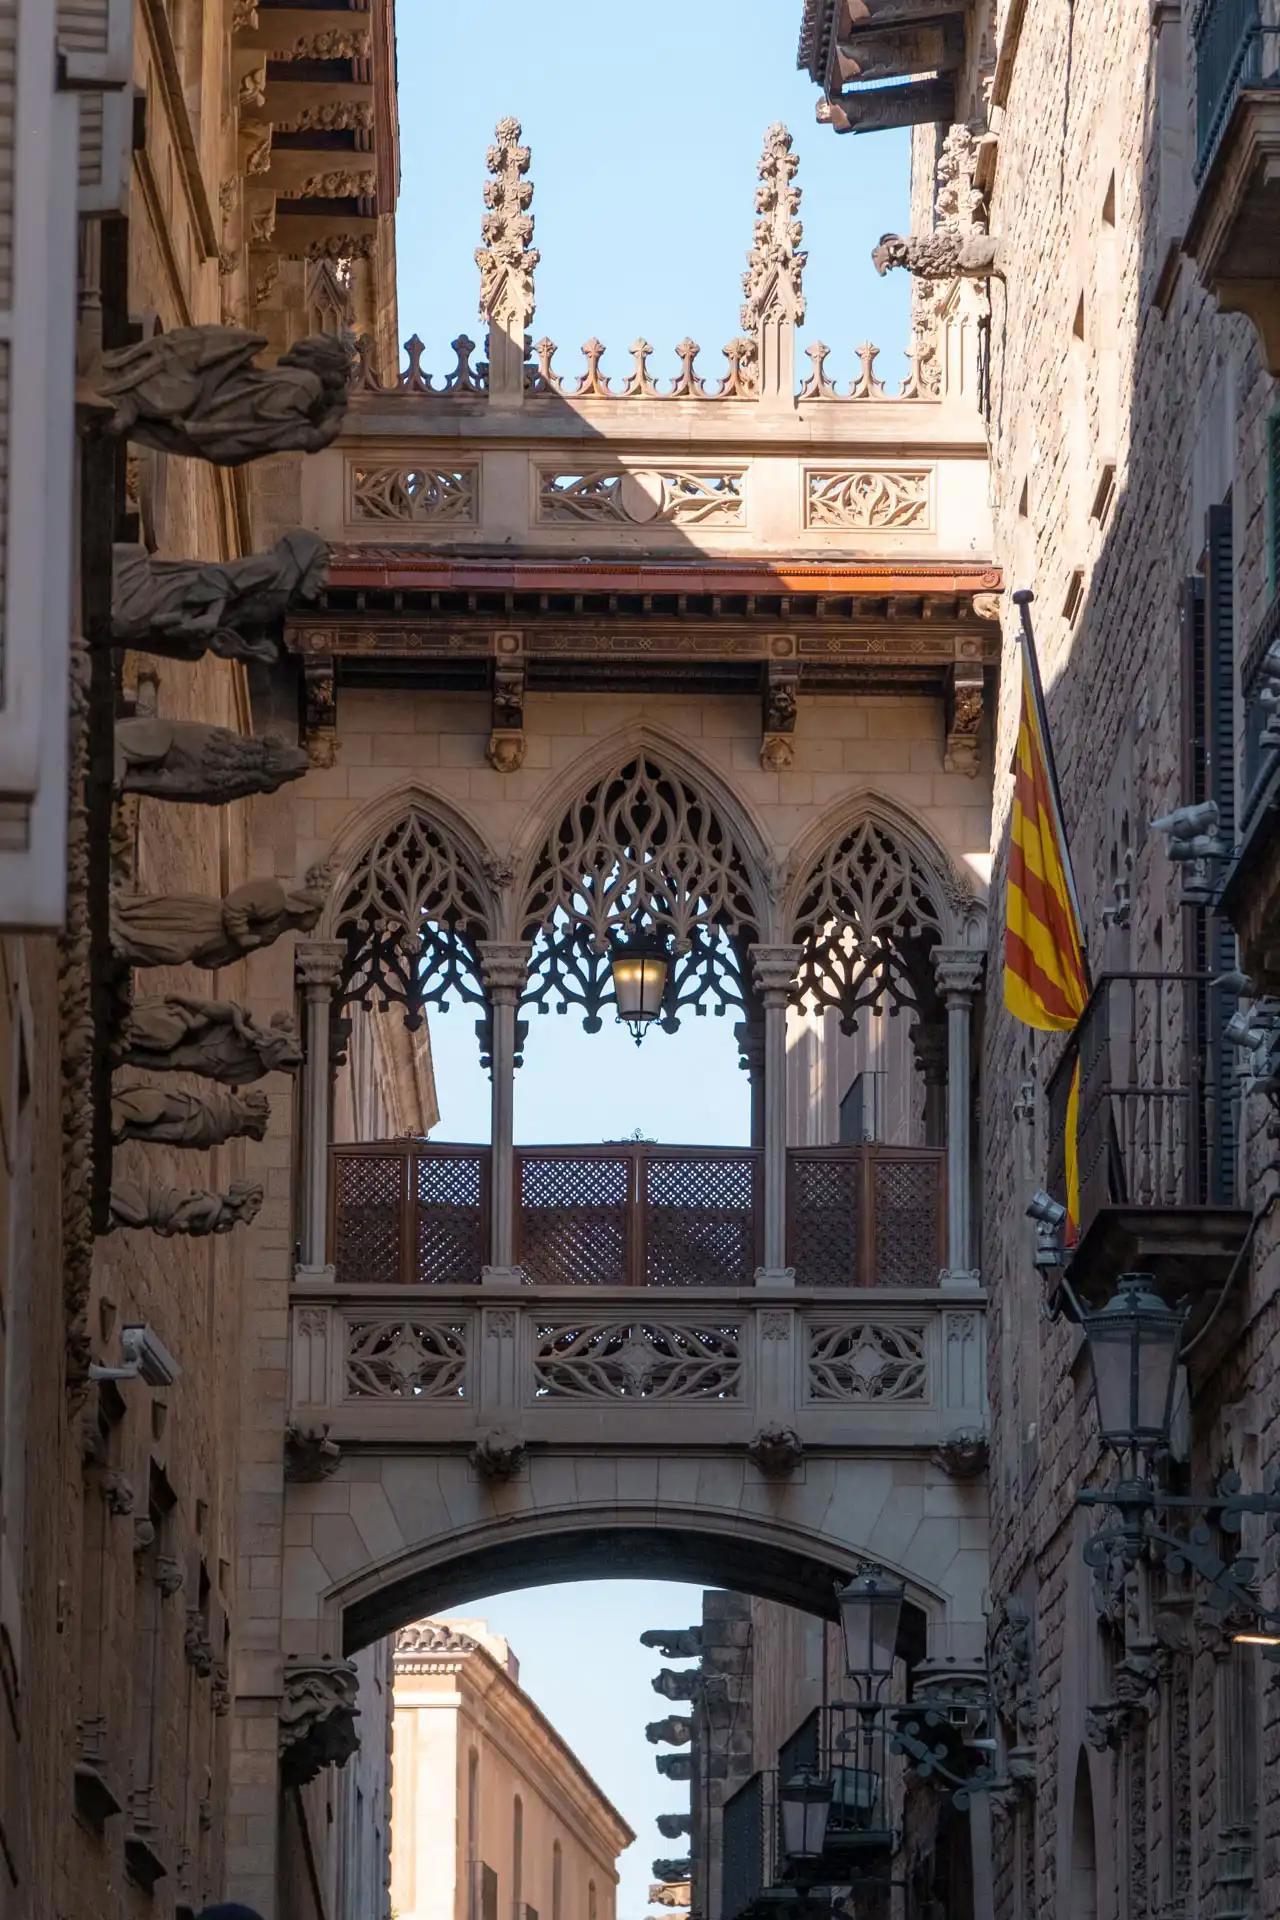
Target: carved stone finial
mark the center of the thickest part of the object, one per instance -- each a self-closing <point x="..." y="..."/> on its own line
<point x="675" y="1731"/>
<point x="776" y="1451"/>
<point x="218" y="1038"/>
<point x="167" y="1116"/>
<point x="174" y="929"/>
<point x="963" y="1454"/>
<point x="774" y="280"/>
<point x="318" y="1715"/>
<point x="196" y="391"/>
<point x="309" y="1454"/>
<point x="179" y="1210"/>
<point x="508" y="257"/>
<point x="497" y="1455"/>
<point x="188" y="760"/>
<point x="233" y="608"/>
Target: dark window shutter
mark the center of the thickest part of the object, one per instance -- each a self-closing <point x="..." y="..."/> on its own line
<point x="1217" y="939"/>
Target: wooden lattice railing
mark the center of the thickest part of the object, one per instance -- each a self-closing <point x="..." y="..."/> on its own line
<point x="636" y="1214"/>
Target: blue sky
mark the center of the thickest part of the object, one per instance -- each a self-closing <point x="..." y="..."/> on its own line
<point x="646" y="124"/>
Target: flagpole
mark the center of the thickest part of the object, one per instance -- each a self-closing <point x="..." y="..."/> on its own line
<point x="1022" y="599"/>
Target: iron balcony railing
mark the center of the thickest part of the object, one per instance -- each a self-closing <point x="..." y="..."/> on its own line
<point x="636" y="1214"/>
<point x="1157" y="1099"/>
<point x="1235" y="49"/>
<point x="749" y="1845"/>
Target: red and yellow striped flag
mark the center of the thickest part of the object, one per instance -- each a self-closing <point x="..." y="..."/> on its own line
<point x="1046" y="977"/>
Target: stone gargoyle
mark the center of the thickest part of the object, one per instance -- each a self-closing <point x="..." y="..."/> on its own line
<point x="674" y="1766"/>
<point x="176" y="929"/>
<point x="189" y="760"/>
<point x="188" y="1210"/>
<point x="672" y="1825"/>
<point x="673" y="1643"/>
<point x="196" y="391"/>
<point x="168" y="1117"/>
<point x="318" y="1715"/>
<point x="233" y="608"/>
<point x="218" y="1038"/>
<point x="675" y="1731"/>
<point x="944" y="255"/>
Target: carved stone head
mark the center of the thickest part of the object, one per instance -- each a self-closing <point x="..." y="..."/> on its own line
<point x="891" y="252"/>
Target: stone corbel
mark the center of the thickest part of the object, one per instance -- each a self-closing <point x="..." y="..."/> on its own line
<point x="777" y="1451"/>
<point x="319" y="710"/>
<point x="777" y="746"/>
<point x="964" y="719"/>
<point x="497" y="1455"/>
<point x="506" y="749"/>
<point x="963" y="1455"/>
<point x="318" y="1715"/>
<point x="309" y="1454"/>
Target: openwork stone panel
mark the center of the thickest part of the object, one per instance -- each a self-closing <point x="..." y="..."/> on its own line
<point x="867" y="922"/>
<point x="410" y="920"/>
<point x="423" y="496"/>
<point x="648" y="1360"/>
<point x="640" y="849"/>
<point x="866" y="500"/>
<point x="862" y="1361"/>
<point x="685" y="497"/>
<point x="406" y="1359"/>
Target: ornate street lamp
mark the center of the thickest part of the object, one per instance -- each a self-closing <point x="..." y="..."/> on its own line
<point x="640" y="962"/>
<point x="806" y="1807"/>
<point x="1134" y="1342"/>
<point x="870" y="1608"/>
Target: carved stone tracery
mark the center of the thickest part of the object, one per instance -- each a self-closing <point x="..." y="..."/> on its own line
<point x="867" y="922"/>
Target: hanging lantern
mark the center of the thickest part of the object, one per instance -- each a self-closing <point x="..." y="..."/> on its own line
<point x="1134" y="1342"/>
<point x="870" y="1608"/>
<point x="640" y="962"/>
<point x="806" y="1807"/>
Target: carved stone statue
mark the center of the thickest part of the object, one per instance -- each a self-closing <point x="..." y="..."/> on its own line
<point x="318" y="1715"/>
<point x="167" y="1117"/>
<point x="944" y="255"/>
<point x="190" y="1210"/>
<point x="172" y="929"/>
<point x="234" y="608"/>
<point x="215" y="1037"/>
<point x="675" y="1731"/>
<point x="196" y="391"/>
<point x="187" y="760"/>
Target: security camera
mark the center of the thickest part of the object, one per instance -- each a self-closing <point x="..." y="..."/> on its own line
<point x="146" y="1358"/>
<point x="1043" y="1207"/>
<point x="1193" y="833"/>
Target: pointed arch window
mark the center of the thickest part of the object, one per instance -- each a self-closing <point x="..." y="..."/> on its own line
<point x="411" y="918"/>
<point x="641" y="850"/>
<point x="867" y="922"/>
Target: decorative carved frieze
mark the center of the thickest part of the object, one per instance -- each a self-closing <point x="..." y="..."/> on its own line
<point x="684" y="497"/>
<point x="324" y="116"/>
<point x="777" y="1451"/>
<point x="218" y="1038"/>
<point x="964" y="719"/>
<point x="172" y="930"/>
<point x="507" y="258"/>
<point x="336" y="183"/>
<point x="309" y="1454"/>
<point x="191" y="761"/>
<point x="167" y="1116"/>
<point x="867" y="500"/>
<point x="406" y="1359"/>
<point x="774" y="280"/>
<point x="654" y="1361"/>
<point x="180" y="1210"/>
<point x="196" y="391"/>
<point x="318" y="1716"/>
<point x="333" y="43"/>
<point x="497" y="1455"/>
<point x="234" y="608"/>
<point x="863" y="1361"/>
<point x="420" y="496"/>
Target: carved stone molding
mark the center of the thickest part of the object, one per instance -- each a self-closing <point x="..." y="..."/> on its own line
<point x="497" y="1455"/>
<point x="777" y="1451"/>
<point x="196" y="391"/>
<point x="182" y="1210"/>
<point x="309" y="1454"/>
<point x="189" y="760"/>
<point x="318" y="1716"/>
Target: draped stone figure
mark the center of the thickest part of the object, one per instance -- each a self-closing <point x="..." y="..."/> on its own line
<point x="165" y="1116"/>
<point x="173" y="1210"/>
<point x="172" y="929"/>
<point x="196" y="391"/>
<point x="217" y="1038"/>
<point x="188" y="760"/>
<point x="233" y="608"/>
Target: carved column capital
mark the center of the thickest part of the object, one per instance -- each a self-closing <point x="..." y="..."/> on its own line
<point x="504" y="967"/>
<point x="774" y="970"/>
<point x="317" y="966"/>
<point x="958" y="971"/>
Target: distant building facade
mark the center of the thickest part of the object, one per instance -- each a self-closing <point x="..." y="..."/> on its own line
<point x="495" y="1817"/>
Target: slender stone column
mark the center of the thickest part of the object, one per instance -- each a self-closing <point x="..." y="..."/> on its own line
<point x="774" y="970"/>
<point x="959" y="975"/>
<point x="318" y="967"/>
<point x="505" y="968"/>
